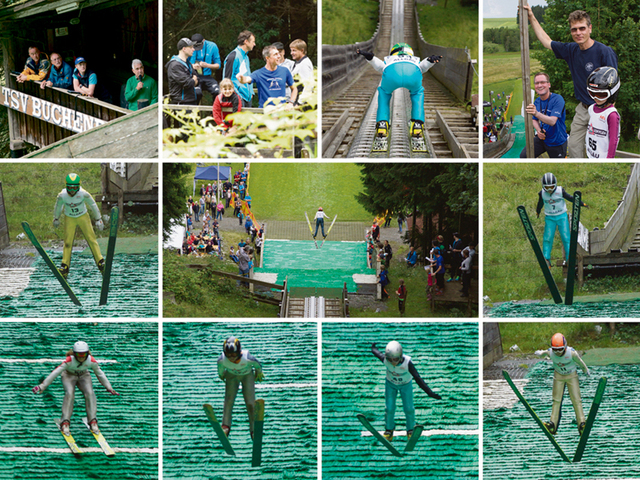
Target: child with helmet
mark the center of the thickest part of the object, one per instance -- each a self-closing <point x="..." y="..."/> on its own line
<point x="236" y="366"/>
<point x="73" y="201"/>
<point x="75" y="373"/>
<point x="603" y="130"/>
<point x="400" y="70"/>
<point x="565" y="362"/>
<point x="552" y="197"/>
<point x="400" y="372"/>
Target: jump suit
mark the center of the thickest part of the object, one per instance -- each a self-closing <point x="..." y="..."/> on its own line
<point x="566" y="375"/>
<point x="233" y="374"/>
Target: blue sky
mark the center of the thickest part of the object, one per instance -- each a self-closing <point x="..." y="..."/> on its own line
<point x="505" y="8"/>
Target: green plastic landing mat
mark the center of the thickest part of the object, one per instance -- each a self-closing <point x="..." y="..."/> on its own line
<point x="32" y="446"/>
<point x="308" y="266"/>
<point x="510" y="450"/>
<point x="601" y="309"/>
<point x="288" y="355"/>
<point x="133" y="289"/>
<point x="353" y="381"/>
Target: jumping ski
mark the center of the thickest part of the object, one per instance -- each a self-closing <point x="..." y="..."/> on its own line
<point x="70" y="441"/>
<point x="325" y="237"/>
<point x="535" y="416"/>
<point x="106" y="275"/>
<point x="590" y="419"/>
<point x="310" y="228"/>
<point x="108" y="451"/>
<point x="376" y="434"/>
<point x="573" y="248"/>
<point x="417" y="433"/>
<point x="418" y="142"/>
<point x="531" y="235"/>
<point x="50" y="264"/>
<point x="208" y="409"/>
<point x="258" y="428"/>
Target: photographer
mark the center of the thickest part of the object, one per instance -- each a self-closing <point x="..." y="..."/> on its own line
<point x="548" y="120"/>
<point x="141" y="90"/>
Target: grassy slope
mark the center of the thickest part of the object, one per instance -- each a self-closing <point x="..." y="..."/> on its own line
<point x="511" y="271"/>
<point x="582" y="336"/>
<point x="348" y="21"/>
<point x="284" y="191"/>
<point x="454" y="26"/>
<point x="500" y="22"/>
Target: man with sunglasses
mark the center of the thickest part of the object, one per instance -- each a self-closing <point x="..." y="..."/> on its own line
<point x="73" y="201"/>
<point x="565" y="362"/>
<point x="548" y="120"/>
<point x="583" y="56"/>
<point x="552" y="197"/>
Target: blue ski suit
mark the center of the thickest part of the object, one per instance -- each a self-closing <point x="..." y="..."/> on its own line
<point x="555" y="217"/>
<point x="401" y="71"/>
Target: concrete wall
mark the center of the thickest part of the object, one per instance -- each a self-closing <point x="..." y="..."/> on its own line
<point x="491" y="344"/>
<point x="617" y="228"/>
<point x="4" y="225"/>
<point x="454" y="70"/>
<point x="341" y="63"/>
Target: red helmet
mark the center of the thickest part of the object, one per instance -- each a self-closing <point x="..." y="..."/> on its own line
<point x="320" y="209"/>
<point x="558" y="343"/>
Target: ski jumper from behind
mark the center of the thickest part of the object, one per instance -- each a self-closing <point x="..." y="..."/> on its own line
<point x="320" y="216"/>
<point x="400" y="373"/>
<point x="552" y="197"/>
<point x="75" y="373"/>
<point x="565" y="362"/>
<point x="79" y="207"/>
<point x="400" y="70"/>
<point x="235" y="367"/>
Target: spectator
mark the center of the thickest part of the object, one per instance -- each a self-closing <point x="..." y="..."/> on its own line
<point x="196" y="210"/>
<point x="182" y="80"/>
<point x="401" y="219"/>
<point x="412" y="257"/>
<point x="205" y="61"/>
<point x="60" y="75"/>
<point x="456" y="257"/>
<point x="226" y="103"/>
<point x="243" y="265"/>
<point x="303" y="67"/>
<point x="141" y="90"/>
<point x="36" y="68"/>
<point x="284" y="62"/>
<point x="248" y="224"/>
<point x="220" y="210"/>
<point x="237" y="63"/>
<point x="85" y="81"/>
<point x="466" y="273"/>
<point x="439" y="271"/>
<point x="383" y="280"/>
<point x="375" y="231"/>
<point x="402" y="297"/>
<point x="388" y="253"/>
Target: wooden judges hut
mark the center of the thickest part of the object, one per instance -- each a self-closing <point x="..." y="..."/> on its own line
<point x="109" y="34"/>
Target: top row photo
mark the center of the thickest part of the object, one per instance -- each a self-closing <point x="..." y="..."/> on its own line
<point x="331" y="79"/>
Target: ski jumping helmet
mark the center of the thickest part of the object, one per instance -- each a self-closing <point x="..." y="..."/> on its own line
<point x="73" y="183"/>
<point x="232" y="347"/>
<point x="320" y="209"/>
<point x="81" y="347"/>
<point x="603" y="84"/>
<point x="558" y="344"/>
<point x="549" y="182"/>
<point x="401" y="49"/>
<point x="393" y="351"/>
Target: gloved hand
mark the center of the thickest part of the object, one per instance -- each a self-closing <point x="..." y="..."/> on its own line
<point x="373" y="345"/>
<point x="434" y="58"/>
<point x="436" y="396"/>
<point x="585" y="205"/>
<point x="367" y="55"/>
<point x="539" y="352"/>
<point x="259" y="376"/>
<point x="36" y="389"/>
<point x="56" y="223"/>
<point x="113" y="392"/>
<point x="100" y="225"/>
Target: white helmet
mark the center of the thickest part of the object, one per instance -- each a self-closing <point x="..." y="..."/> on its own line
<point x="393" y="351"/>
<point x="549" y="182"/>
<point x="80" y="347"/>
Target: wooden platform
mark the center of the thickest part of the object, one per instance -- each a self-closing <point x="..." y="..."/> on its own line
<point x="452" y="295"/>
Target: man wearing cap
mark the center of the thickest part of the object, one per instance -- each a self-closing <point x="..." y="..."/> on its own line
<point x="36" y="67"/>
<point x="85" y="81"/>
<point x="237" y="63"/>
<point x="60" y="75"/>
<point x="205" y="61"/>
<point x="141" y="90"/>
<point x="182" y="80"/>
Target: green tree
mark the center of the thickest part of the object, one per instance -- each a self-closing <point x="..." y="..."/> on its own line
<point x="174" y="193"/>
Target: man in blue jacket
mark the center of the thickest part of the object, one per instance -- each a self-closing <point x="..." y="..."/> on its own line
<point x="205" y="61"/>
<point x="237" y="62"/>
<point x="60" y="75"/>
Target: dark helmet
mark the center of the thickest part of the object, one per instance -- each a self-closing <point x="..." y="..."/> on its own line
<point x="232" y="346"/>
<point x="603" y="83"/>
<point x="549" y="182"/>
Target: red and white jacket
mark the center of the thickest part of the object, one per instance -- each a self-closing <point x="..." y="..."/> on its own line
<point x="73" y="367"/>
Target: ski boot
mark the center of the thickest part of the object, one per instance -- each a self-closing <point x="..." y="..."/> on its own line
<point x="409" y="433"/>
<point x="64" y="427"/>
<point x="388" y="435"/>
<point x="93" y="425"/>
<point x="381" y="140"/>
<point x="581" y="427"/>
<point x="417" y="136"/>
<point x="64" y="270"/>
<point x="226" y="429"/>
<point x="551" y="427"/>
<point x="101" y="266"/>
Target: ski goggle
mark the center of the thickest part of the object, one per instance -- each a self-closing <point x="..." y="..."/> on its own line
<point x="81" y="354"/>
<point x="73" y="188"/>
<point x="549" y="188"/>
<point x="599" y="94"/>
<point x="393" y="359"/>
<point x="558" y="350"/>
